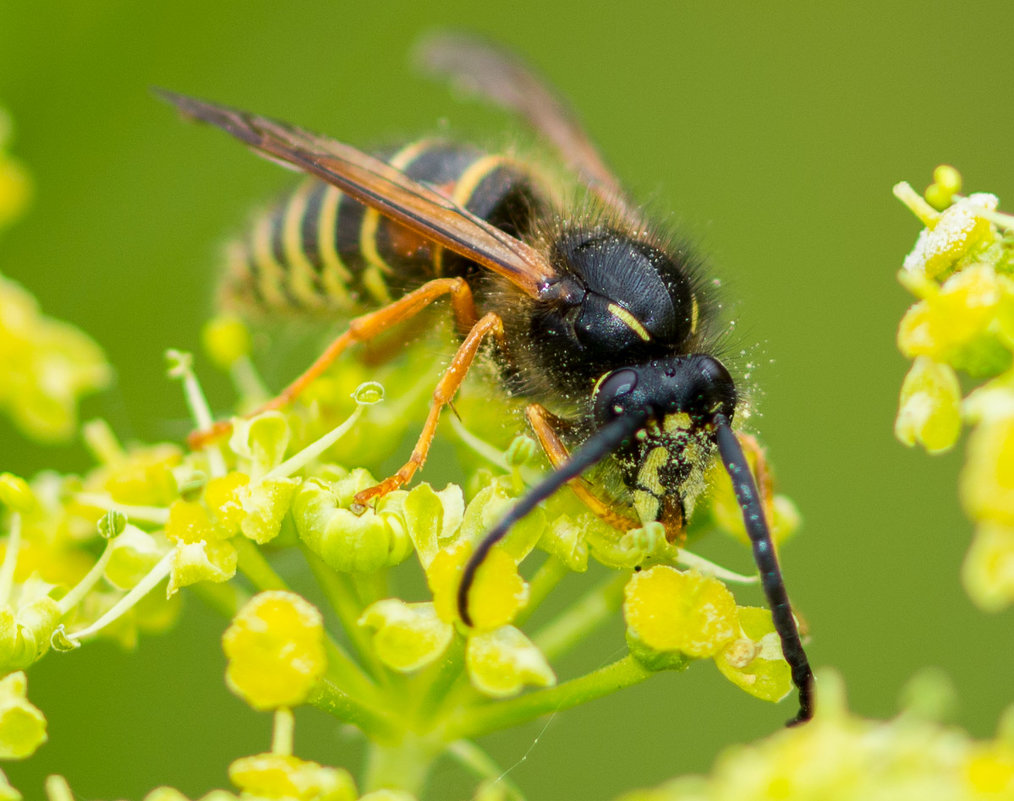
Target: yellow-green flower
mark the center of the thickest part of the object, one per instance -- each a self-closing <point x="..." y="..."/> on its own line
<point x="22" y="725"/>
<point x="226" y="340"/>
<point x="988" y="570"/>
<point x="275" y="647"/>
<point x="287" y="778"/>
<point x="502" y="662"/>
<point x="7" y="792"/>
<point x="753" y="661"/>
<point x="951" y="236"/>
<point x="987" y="481"/>
<point x="668" y="610"/>
<point x="346" y="541"/>
<point x="139" y="476"/>
<point x="958" y="323"/>
<point x="496" y="596"/>
<point x="929" y="411"/>
<point x="964" y="320"/>
<point x="433" y="519"/>
<point x="406" y="636"/>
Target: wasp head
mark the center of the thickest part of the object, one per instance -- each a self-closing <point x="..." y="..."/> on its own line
<point x="678" y="399"/>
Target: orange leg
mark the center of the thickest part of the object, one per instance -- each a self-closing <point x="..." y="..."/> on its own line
<point x="361" y="329"/>
<point x="544" y="425"/>
<point x="442" y="395"/>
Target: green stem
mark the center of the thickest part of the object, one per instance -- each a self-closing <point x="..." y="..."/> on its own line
<point x="494" y="715"/>
<point x="345" y="672"/>
<point x="225" y="598"/>
<point x="447" y="671"/>
<point x="81" y="589"/>
<point x="376" y="724"/>
<point x="137" y="592"/>
<point x="482" y="765"/>
<point x="343" y="599"/>
<point x="370" y="587"/>
<point x="402" y="765"/>
<point x="549" y="574"/>
<point x="281" y="734"/>
<point x="10" y="559"/>
<point x="581" y="618"/>
<point x="255" y="567"/>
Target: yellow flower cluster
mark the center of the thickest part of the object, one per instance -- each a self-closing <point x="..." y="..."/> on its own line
<point x="499" y="658"/>
<point x="962" y="273"/>
<point x="674" y="616"/>
<point x="45" y="365"/>
<point x="407" y="671"/>
<point x="261" y="777"/>
<point x="843" y="757"/>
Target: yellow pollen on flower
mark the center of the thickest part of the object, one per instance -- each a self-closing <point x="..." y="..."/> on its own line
<point x="275" y="647"/>
<point x="497" y="594"/>
<point x="277" y="776"/>
<point x="667" y="610"/>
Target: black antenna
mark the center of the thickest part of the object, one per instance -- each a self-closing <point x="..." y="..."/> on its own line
<point x="767" y="563"/>
<point x="597" y="447"/>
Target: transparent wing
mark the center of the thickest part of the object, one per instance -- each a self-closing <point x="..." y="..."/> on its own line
<point x="379" y="185"/>
<point x="479" y="67"/>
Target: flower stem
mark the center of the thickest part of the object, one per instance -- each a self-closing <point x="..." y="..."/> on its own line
<point x="74" y="597"/>
<point x="375" y="724"/>
<point x="343" y="600"/>
<point x="549" y="574"/>
<point x="495" y="715"/>
<point x="482" y="765"/>
<point x="10" y="559"/>
<point x="142" y="588"/>
<point x="156" y="515"/>
<point x="581" y="618"/>
<point x="281" y="734"/>
<point x="300" y="460"/>
<point x="403" y="765"/>
<point x="255" y="567"/>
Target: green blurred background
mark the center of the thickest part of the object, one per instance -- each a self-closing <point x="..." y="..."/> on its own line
<point x="774" y="131"/>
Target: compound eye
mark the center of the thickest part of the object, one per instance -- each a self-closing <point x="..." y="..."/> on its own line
<point x="611" y="391"/>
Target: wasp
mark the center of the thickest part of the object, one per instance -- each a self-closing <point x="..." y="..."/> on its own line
<point x="596" y="319"/>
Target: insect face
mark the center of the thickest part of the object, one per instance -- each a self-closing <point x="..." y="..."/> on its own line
<point x="679" y="399"/>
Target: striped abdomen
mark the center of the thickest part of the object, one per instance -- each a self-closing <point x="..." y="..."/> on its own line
<point x="319" y="250"/>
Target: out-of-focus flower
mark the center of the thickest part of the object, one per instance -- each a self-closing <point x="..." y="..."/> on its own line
<point x="844" y="757"/>
<point x="45" y="367"/>
<point x="15" y="182"/>
<point x="22" y="725"/>
<point x="287" y="778"/>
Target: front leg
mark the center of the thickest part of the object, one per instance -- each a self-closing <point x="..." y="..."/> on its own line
<point x="546" y="426"/>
